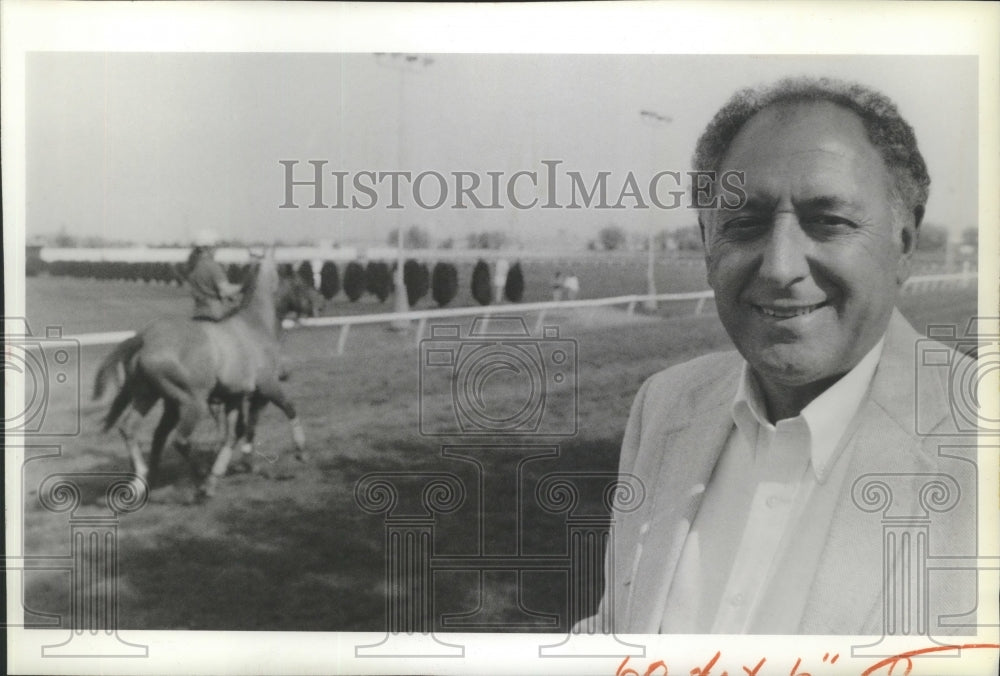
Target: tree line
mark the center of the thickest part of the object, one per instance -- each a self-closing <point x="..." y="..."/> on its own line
<point x="375" y="278"/>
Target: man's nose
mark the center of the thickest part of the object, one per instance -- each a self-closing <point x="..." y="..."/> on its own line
<point x="786" y="251"/>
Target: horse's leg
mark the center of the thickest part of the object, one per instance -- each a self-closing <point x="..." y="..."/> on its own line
<point x="272" y="392"/>
<point x="216" y="409"/>
<point x="163" y="429"/>
<point x="183" y="447"/>
<point x="127" y="427"/>
<point x="191" y="409"/>
<point x="245" y="425"/>
<point x="225" y="454"/>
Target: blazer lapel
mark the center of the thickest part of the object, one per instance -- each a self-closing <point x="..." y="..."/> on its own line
<point x="690" y="454"/>
<point x="854" y="546"/>
<point x="885" y="443"/>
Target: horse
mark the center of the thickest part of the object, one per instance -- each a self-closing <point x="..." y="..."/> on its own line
<point x="187" y="363"/>
<point x="297" y="298"/>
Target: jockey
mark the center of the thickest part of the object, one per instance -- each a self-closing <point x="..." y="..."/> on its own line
<point x="214" y="297"/>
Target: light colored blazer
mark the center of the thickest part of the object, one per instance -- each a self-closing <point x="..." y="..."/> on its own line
<point x="679" y="423"/>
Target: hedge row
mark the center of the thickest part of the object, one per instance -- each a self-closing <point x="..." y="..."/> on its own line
<point x="114" y="270"/>
<point x="376" y="278"/>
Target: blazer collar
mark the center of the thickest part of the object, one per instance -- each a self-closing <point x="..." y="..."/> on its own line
<point x="694" y="446"/>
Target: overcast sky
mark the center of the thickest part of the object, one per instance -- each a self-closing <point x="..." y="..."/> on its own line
<point x="155" y="147"/>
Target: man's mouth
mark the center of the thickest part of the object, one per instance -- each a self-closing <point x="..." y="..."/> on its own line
<point x="787" y="311"/>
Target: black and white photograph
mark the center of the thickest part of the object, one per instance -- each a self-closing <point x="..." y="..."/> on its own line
<point x="404" y="353"/>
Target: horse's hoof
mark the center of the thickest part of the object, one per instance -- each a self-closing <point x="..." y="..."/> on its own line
<point x="142" y="489"/>
<point x="207" y="489"/>
<point x="242" y="467"/>
<point x="302" y="456"/>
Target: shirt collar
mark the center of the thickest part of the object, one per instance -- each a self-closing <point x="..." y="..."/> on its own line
<point x="826" y="417"/>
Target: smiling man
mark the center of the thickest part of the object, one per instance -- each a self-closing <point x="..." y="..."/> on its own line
<point x="806" y="273"/>
<point x="758" y="465"/>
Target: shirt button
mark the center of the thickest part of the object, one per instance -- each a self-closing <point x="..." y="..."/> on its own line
<point x="772" y="501"/>
<point x="737" y="599"/>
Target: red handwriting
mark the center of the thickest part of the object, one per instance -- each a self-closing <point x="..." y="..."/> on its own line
<point x="707" y="669"/>
<point x="895" y="659"/>
<point x="659" y="667"/>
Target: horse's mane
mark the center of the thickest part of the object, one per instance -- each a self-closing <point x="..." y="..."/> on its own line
<point x="249" y="286"/>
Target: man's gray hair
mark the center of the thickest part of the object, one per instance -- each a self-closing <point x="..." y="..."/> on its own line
<point x="891" y="135"/>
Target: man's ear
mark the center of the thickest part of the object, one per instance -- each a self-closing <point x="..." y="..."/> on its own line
<point x="909" y="234"/>
<point x="704" y="244"/>
<point x="910" y="239"/>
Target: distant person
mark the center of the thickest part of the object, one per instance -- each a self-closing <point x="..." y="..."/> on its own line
<point x="500" y="278"/>
<point x="557" y="286"/>
<point x="572" y="286"/>
<point x="769" y="471"/>
<point x="214" y="296"/>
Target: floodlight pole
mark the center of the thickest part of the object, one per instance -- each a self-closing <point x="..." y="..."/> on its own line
<point x="402" y="63"/>
<point x="651" y="118"/>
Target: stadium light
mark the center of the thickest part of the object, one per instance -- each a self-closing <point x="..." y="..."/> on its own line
<point x="403" y="64"/>
<point x="653" y="119"/>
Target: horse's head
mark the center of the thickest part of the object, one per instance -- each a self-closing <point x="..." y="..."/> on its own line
<point x="298" y="298"/>
<point x="267" y="273"/>
<point x="261" y="290"/>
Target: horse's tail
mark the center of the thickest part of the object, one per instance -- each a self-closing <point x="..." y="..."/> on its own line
<point x="122" y="354"/>
<point x="118" y="359"/>
<point x="120" y="403"/>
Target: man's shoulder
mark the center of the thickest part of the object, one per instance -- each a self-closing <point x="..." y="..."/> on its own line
<point x="919" y="379"/>
<point x="695" y="380"/>
<point x="705" y="367"/>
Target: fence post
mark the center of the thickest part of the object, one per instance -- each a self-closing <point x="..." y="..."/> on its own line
<point x="538" y="325"/>
<point x="342" y="341"/>
<point x="421" y="325"/>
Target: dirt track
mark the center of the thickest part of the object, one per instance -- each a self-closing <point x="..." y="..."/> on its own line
<point x="293" y="550"/>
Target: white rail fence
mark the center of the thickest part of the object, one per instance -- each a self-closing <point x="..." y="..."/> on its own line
<point x="913" y="285"/>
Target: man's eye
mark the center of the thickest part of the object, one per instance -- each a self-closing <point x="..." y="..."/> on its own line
<point x="829" y="221"/>
<point x="744" y="224"/>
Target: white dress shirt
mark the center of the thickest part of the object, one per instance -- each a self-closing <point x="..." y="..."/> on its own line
<point x="756" y="538"/>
